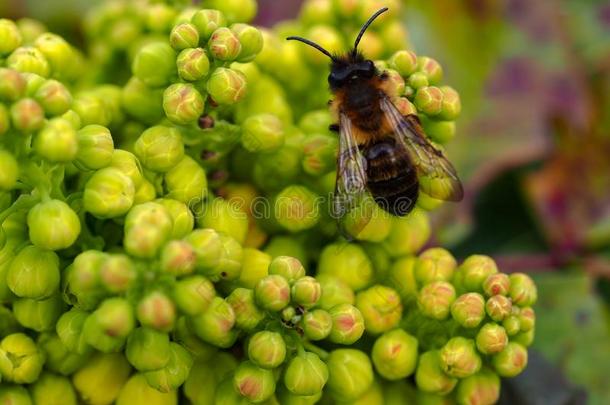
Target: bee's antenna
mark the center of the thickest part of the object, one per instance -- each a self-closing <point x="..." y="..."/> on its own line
<point x="366" y="25"/>
<point x="313" y="44"/>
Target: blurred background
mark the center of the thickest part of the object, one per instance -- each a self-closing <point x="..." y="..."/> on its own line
<point x="533" y="150"/>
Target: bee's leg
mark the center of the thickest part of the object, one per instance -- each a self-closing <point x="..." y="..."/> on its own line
<point x="334" y="127"/>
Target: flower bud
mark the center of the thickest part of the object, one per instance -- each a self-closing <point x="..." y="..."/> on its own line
<point x="498" y="307"/>
<point x="496" y="284"/>
<point x="522" y="291"/>
<point x="148" y="349"/>
<point x="53" y="225"/>
<point x="254" y="265"/>
<point x="33" y="273"/>
<point x="208" y="248"/>
<point x="451" y="105"/>
<point x="440" y="132"/>
<point x="52" y="389"/>
<point x="108" y="326"/>
<point x="193" y="294"/>
<point x="182" y="104"/>
<point x="100" y="380"/>
<point x="184" y="36"/>
<point x="394" y="354"/>
<point x="254" y="383"/>
<point x="81" y="286"/>
<point x="224" y="44"/>
<point x="156" y="310"/>
<point x="215" y="324"/>
<point x="92" y="109"/>
<point x="226" y="86"/>
<point x="262" y="133"/>
<point x="306" y="291"/>
<point x="108" y="193"/>
<point x="28" y="59"/>
<point x="58" y="358"/>
<point x="482" y="388"/>
<point x="186" y="182"/>
<point x="5" y="119"/>
<point x="524" y="338"/>
<point x="459" y="358"/>
<point x="319" y="154"/>
<point x="334" y="292"/>
<point x="431" y="68"/>
<point x="128" y="164"/>
<point x="348" y="324"/>
<point x="14" y="395"/>
<point x="230" y="265"/>
<point x="272" y="293"/>
<point x="512" y="323"/>
<point x="474" y="271"/>
<point x="429" y="100"/>
<point x="9" y="171"/>
<point x="491" y="339"/>
<point x="348" y="262"/>
<point x="178" y="258"/>
<point x="57" y="141"/>
<point x="418" y="80"/>
<point x="527" y="319"/>
<point x="147" y="228"/>
<point x="405" y="62"/>
<point x="193" y="65"/>
<point x="207" y="21"/>
<point x="306" y="374"/>
<point x="95" y="147"/>
<point x="288" y="398"/>
<point x="138" y="391"/>
<point x="10" y="37"/>
<point x="288" y="267"/>
<point x="155" y="64"/>
<point x="435" y="299"/>
<point x="408" y="234"/>
<point x="251" y="41"/>
<point x="27" y="115"/>
<point x="184" y="335"/>
<point x="53" y="97"/>
<point x="267" y="349"/>
<point x="69" y="328"/>
<point x="39" y="315"/>
<point x="317" y="324"/>
<point x="117" y="273"/>
<point x="160" y="17"/>
<point x="20" y="359"/>
<point x="350" y="373"/>
<point x="12" y="84"/>
<point x="381" y="308"/>
<point x="175" y="373"/>
<point x="247" y="314"/>
<point x="182" y="217"/>
<point x="241" y="11"/>
<point x="142" y="102"/>
<point x="468" y="310"/>
<point x="159" y="148"/>
<point x="434" y="264"/>
<point x="510" y="361"/>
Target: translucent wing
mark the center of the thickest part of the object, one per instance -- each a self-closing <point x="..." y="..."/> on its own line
<point x="435" y="173"/>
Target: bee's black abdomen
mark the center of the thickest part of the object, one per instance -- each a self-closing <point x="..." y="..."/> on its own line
<point x="391" y="178"/>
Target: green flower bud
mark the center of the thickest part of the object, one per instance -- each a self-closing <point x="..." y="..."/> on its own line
<point x="262" y="133"/>
<point x="208" y="248"/>
<point x="491" y="339"/>
<point x="92" y="109"/>
<point x="522" y="291"/>
<point x="58" y="358"/>
<point x="267" y="349"/>
<point x="52" y="389"/>
<point x="95" y="147"/>
<point x="394" y="354"/>
<point x="129" y="165"/>
<point x="138" y="391"/>
<point x="474" y="271"/>
<point x="175" y="373"/>
<point x="236" y="11"/>
<point x="288" y="267"/>
<point x="527" y="319"/>
<point x="255" y="265"/>
<point x="254" y="383"/>
<point x="496" y="284"/>
<point x="459" y="358"/>
<point x="224" y="44"/>
<point x="207" y="21"/>
<point x="334" y="292"/>
<point x="53" y="225"/>
<point x="33" y="273"/>
<point x="82" y="280"/>
<point x="14" y="395"/>
<point x="512" y="323"/>
<point x="405" y="62"/>
<point x="431" y="68"/>
<point x="230" y="266"/>
<point x="226" y="217"/>
<point x="215" y="324"/>
<point x="498" y="307"/>
<point x="108" y="326"/>
<point x="511" y="361"/>
<point x="9" y="171"/>
<point x="350" y="373"/>
<point x="381" y="308"/>
<point x="348" y="324"/>
<point x="147" y="228"/>
<point x="10" y="37"/>
<point x="429" y="100"/>
<point x="142" y="102"/>
<point x="145" y="193"/>
<point x="62" y="58"/>
<point x="182" y="104"/>
<point x="12" y="84"/>
<point x="451" y="105"/>
<point x="117" y="273"/>
<point x="435" y="299"/>
<point x="155" y="64"/>
<point x="53" y="97"/>
<point x="306" y="292"/>
<point x="317" y="324"/>
<point x="193" y="295"/>
<point x="408" y="234"/>
<point x="5" y="119"/>
<point x="434" y="264"/>
<point x="439" y="131"/>
<point x="468" y="310"/>
<point x="102" y="377"/>
<point x="39" y="315"/>
<point x="288" y="398"/>
<point x="272" y="293"/>
<point x="319" y="154"/>
<point x="69" y="328"/>
<point x="27" y="115"/>
<point x="20" y="359"/>
<point x="306" y="375"/>
<point x="148" y="349"/>
<point x="251" y="41"/>
<point x="247" y="314"/>
<point x="348" y="263"/>
<point x="193" y="65"/>
<point x="28" y="59"/>
<point x="186" y="182"/>
<point x="108" y="193"/>
<point x="182" y="217"/>
<point x="159" y="148"/>
<point x="184" y="335"/>
<point x="156" y="310"/>
<point x="429" y="375"/>
<point x="33" y="83"/>
<point x="160" y="17"/>
<point x="184" y="36"/>
<point x="226" y="86"/>
<point x="418" y="80"/>
<point x="178" y="258"/>
<point x="57" y="141"/>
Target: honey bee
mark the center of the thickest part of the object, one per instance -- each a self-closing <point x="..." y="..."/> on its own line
<point x="382" y="154"/>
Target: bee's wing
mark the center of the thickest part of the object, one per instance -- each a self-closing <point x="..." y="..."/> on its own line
<point x="350" y="187"/>
<point x="436" y="174"/>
